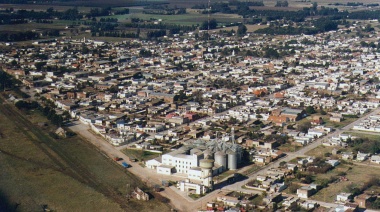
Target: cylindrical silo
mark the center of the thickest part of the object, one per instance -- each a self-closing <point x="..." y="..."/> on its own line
<point x="221" y="159"/>
<point x="232" y="160"/>
<point x="206" y="163"/>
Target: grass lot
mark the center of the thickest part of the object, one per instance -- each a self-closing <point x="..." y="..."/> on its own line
<point x="329" y="123"/>
<point x="370" y="136"/>
<point x="357" y="175"/>
<point x="140" y="154"/>
<point x="61" y="24"/>
<point x="320" y="151"/>
<point x="184" y="19"/>
<point x="289" y="147"/>
<point x="341" y="124"/>
<point x="65" y="174"/>
<point x="252" y="169"/>
<point x="225" y="175"/>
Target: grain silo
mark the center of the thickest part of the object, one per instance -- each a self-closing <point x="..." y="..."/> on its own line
<point x="221" y="159"/>
<point x="232" y="160"/>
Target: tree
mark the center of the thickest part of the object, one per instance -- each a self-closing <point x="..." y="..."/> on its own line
<point x="310" y="110"/>
<point x="145" y="53"/>
<point x="242" y="29"/>
<point x="39" y="65"/>
<point x="283" y="163"/>
<point x="314" y="7"/>
<point x="293" y="188"/>
<point x="304" y="127"/>
<point x="114" y="89"/>
<point x="308" y="179"/>
<point x="212" y="24"/>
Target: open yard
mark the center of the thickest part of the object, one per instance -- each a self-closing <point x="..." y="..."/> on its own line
<point x="341" y="124"/>
<point x="289" y="147"/>
<point x="320" y="151"/>
<point x="356" y="175"/>
<point x="140" y="154"/>
<point x="65" y="174"/>
<point x="361" y="134"/>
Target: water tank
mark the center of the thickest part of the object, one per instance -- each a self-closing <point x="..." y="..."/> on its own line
<point x="221" y="159"/>
<point x="232" y="160"/>
<point x="206" y="163"/>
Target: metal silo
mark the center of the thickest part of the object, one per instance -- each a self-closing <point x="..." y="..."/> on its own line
<point x="221" y="159"/>
<point x="232" y="160"/>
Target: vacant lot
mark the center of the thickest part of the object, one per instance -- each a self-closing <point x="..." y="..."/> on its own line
<point x="184" y="19"/>
<point x="361" y="134"/>
<point x="320" y="151"/>
<point x="357" y="175"/>
<point x="63" y="175"/>
<point x="140" y="154"/>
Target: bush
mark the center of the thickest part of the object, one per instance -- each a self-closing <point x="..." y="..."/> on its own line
<point x="293" y="188"/>
<point x="342" y="174"/>
<point x="161" y="198"/>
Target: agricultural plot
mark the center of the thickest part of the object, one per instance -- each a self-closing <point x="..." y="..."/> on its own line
<point x="66" y="174"/>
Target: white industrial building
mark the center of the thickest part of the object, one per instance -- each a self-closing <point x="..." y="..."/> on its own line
<point x="200" y="161"/>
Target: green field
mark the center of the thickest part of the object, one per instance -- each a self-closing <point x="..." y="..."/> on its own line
<point x="320" y="151"/>
<point x="357" y="175"/>
<point x="140" y="154"/>
<point x="370" y="136"/>
<point x="184" y="19"/>
<point x="62" y="175"/>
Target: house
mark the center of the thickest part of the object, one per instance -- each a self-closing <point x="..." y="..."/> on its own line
<point x="61" y="132"/>
<point x="308" y="205"/>
<point x="375" y="159"/>
<point x="165" y="169"/>
<point x="347" y="155"/>
<point x="307" y="160"/>
<point x="278" y="187"/>
<point x="336" y="119"/>
<point x="363" y="199"/>
<point x="305" y="192"/>
<point x="140" y="195"/>
<point x="272" y="197"/>
<point x="286" y="114"/>
<point x="350" y="206"/>
<point x="228" y="200"/>
<point x="362" y="156"/>
<point x="290" y="202"/>
<point x="154" y="163"/>
<point x="263" y="144"/>
<point x="333" y="163"/>
<point x="317" y="120"/>
<point x="343" y="197"/>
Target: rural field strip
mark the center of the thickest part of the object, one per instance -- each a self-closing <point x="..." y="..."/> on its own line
<point x="67" y="165"/>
